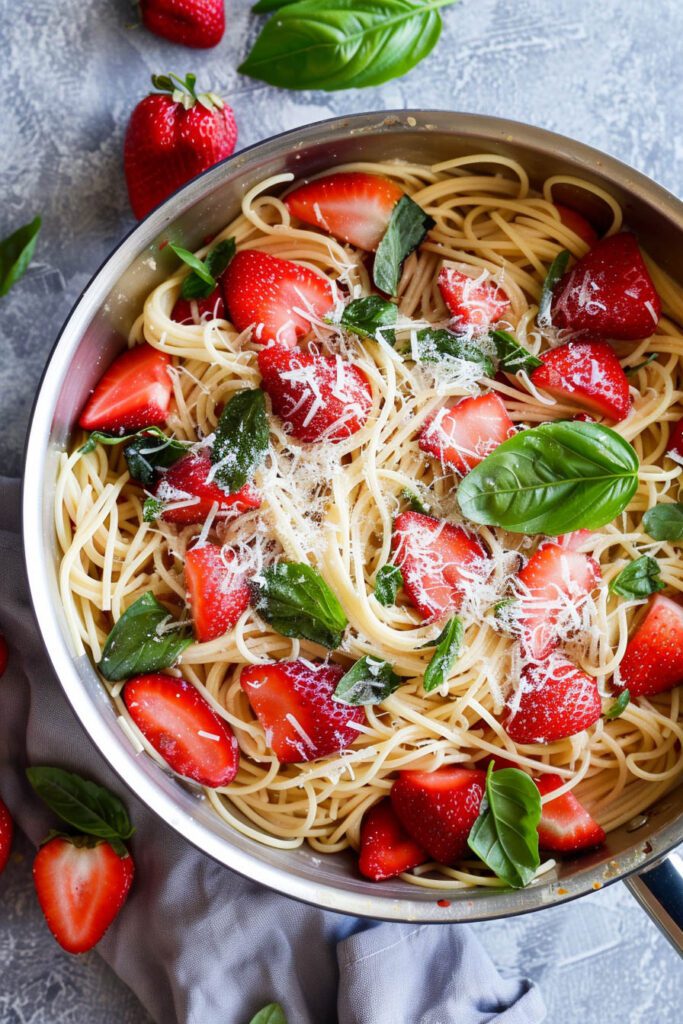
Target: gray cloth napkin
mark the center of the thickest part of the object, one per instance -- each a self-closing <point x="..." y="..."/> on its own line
<point x="201" y="945"/>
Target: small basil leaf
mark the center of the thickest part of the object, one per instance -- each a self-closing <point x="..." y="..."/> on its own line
<point x="650" y="358"/>
<point x="198" y="268"/>
<point x="505" y="836"/>
<point x="555" y="272"/>
<point x="664" y="522"/>
<point x="619" y="706"/>
<point x="371" y="317"/>
<point x="415" y="501"/>
<point x="270" y="1014"/>
<point x="369" y="681"/>
<point x="16" y="253"/>
<point x="511" y="355"/>
<point x="638" y="579"/>
<point x="241" y="439"/>
<point x="388" y="582"/>
<point x="98" y="437"/>
<point x="435" y="345"/>
<point x="196" y="287"/>
<point x="82" y="804"/>
<point x="407" y="227"/>
<point x="553" y="479"/>
<point x="137" y="645"/>
<point x="296" y="601"/>
<point x="149" y="452"/>
<point x="448" y="648"/>
<point x="152" y="510"/>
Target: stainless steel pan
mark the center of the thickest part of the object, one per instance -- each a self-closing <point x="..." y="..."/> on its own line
<point x="93" y="334"/>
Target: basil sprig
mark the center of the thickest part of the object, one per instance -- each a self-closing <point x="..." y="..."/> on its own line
<point x="638" y="579"/>
<point x="371" y="317"/>
<point x="511" y="355"/>
<point x="388" y="582"/>
<point x="273" y="1012"/>
<point x="241" y="439"/>
<point x="149" y="449"/>
<point x="369" y="681"/>
<point x="552" y="479"/>
<point x="448" y="649"/>
<point x="505" y="834"/>
<point x="342" y="44"/>
<point x="434" y="345"/>
<point x="555" y="272"/>
<point x="137" y="644"/>
<point x="204" y="277"/>
<point x="619" y="706"/>
<point x="16" y="253"/>
<point x="664" y="522"/>
<point x="296" y="601"/>
<point x="83" y="804"/>
<point x="407" y="227"/>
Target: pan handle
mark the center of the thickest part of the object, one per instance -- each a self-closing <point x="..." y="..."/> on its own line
<point x="659" y="890"/>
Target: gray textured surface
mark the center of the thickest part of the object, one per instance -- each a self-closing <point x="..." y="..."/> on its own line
<point x="607" y="74"/>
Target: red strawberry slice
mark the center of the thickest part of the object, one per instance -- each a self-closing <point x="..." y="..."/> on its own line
<point x="675" y="446"/>
<point x="135" y="392"/>
<point x="353" y="206"/>
<point x="653" y="659"/>
<point x="81" y="885"/>
<point x="211" y="308"/>
<point x="183" y="728"/>
<point x="318" y="397"/>
<point x="294" y="704"/>
<point x="557" y="700"/>
<point x="577" y="223"/>
<point x="551" y="589"/>
<point x="574" y="540"/>
<point x="472" y="300"/>
<point x="587" y="373"/>
<point x="385" y="848"/>
<point x="217" y="592"/>
<point x="438" y="561"/>
<point x="6" y="833"/>
<point x="277" y="297"/>
<point x="189" y="496"/>
<point x="438" y="809"/>
<point x="565" y="823"/>
<point x="462" y="435"/>
<point x="608" y="293"/>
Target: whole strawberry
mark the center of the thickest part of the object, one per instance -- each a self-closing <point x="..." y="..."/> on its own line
<point x="196" y="23"/>
<point x="173" y="135"/>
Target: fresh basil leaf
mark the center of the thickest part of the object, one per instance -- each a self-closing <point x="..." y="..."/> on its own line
<point x="408" y="225"/>
<point x="270" y="1014"/>
<point x="16" y="253"/>
<point x="82" y="804"/>
<point x="241" y="439"/>
<point x="195" y="286"/>
<point x="505" y="834"/>
<point x="448" y="648"/>
<point x="148" y="453"/>
<point x="151" y="510"/>
<point x="630" y="370"/>
<point x="266" y="6"/>
<point x="555" y="272"/>
<point x="344" y="44"/>
<point x="371" y="317"/>
<point x="619" y="706"/>
<point x="196" y="265"/>
<point x="296" y="601"/>
<point x="434" y="345"/>
<point x="638" y="579"/>
<point x="415" y="501"/>
<point x="99" y="437"/>
<point x="511" y="355"/>
<point x="369" y="681"/>
<point x="388" y="582"/>
<point x="137" y="645"/>
<point x="664" y="522"/>
<point x="552" y="479"/>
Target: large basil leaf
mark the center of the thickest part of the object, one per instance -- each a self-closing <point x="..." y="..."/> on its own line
<point x="407" y="227"/>
<point x="204" y="277"/>
<point x="638" y="579"/>
<point x="137" y="644"/>
<point x="448" y="648"/>
<point x="343" y="44"/>
<point x="388" y="582"/>
<point x="16" y="253"/>
<point x="433" y="345"/>
<point x="369" y="681"/>
<point x="505" y="834"/>
<point x="513" y="356"/>
<point x="270" y="1014"/>
<point x="552" y="479"/>
<point x="665" y="522"/>
<point x="146" y="454"/>
<point x="296" y="601"/>
<point x="371" y="317"/>
<point x="82" y="804"/>
<point x="555" y="272"/>
<point x="241" y="439"/>
<point x="619" y="706"/>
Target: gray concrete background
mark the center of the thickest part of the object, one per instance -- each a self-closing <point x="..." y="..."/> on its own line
<point x="606" y="73"/>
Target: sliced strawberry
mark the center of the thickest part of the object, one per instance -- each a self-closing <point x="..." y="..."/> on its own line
<point x="438" y="809"/>
<point x="438" y="560"/>
<point x="183" y="728"/>
<point x="277" y="297"/>
<point x="353" y="206"/>
<point x="557" y="700"/>
<point x="472" y="301"/>
<point x="81" y="885"/>
<point x="551" y="588"/>
<point x="135" y="392"/>
<point x="217" y="591"/>
<point x="653" y="659"/>
<point x="587" y="373"/>
<point x="574" y="540"/>
<point x="675" y="446"/>
<point x="6" y="833"/>
<point x="565" y="823"/>
<point x="211" y="308"/>
<point x="463" y="434"/>
<point x="189" y="496"/>
<point x="318" y="397"/>
<point x="577" y="223"/>
<point x="293" y="702"/>
<point x="608" y="293"/>
<point x="385" y="849"/>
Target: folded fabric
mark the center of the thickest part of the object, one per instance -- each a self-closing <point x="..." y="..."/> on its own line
<point x="197" y="943"/>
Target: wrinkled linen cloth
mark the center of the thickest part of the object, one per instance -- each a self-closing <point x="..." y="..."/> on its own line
<point x="199" y="944"/>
